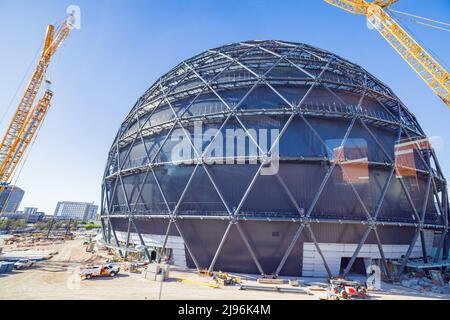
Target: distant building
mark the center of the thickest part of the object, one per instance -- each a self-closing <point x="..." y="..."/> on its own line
<point x="92" y="213"/>
<point x="13" y="215"/>
<point x="35" y="217"/>
<point x="10" y="199"/>
<point x="75" y="210"/>
<point x="30" y="210"/>
<point x="31" y="217"/>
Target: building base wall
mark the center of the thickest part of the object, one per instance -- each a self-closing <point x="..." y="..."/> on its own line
<point x="269" y="242"/>
<point x="334" y="253"/>
<point x="155" y="242"/>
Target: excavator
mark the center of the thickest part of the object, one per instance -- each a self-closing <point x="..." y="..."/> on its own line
<point x="420" y="60"/>
<point x="28" y="118"/>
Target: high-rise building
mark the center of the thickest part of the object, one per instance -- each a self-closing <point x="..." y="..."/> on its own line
<point x="10" y="199"/>
<point x="75" y="210"/>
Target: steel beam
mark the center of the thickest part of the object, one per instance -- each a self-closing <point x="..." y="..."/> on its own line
<point x="141" y="239"/>
<point x="408" y="197"/>
<point x="316" y="244"/>
<point x="289" y="249"/>
<point x="355" y="254"/>
<point x="423" y="246"/>
<point x="250" y="249"/>
<point x="408" y="253"/>
<point x="290" y="195"/>
<point x="422" y="219"/>
<point x="175" y="211"/>
<point x="219" y="249"/>
<point x="188" y="247"/>
<point x="166" y="237"/>
<point x="103" y="228"/>
<point x="288" y="218"/>
<point x="383" y="257"/>
<point x="128" y="237"/>
<point x="115" y="238"/>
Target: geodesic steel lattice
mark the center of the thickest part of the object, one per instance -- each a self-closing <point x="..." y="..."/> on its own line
<point x="321" y="104"/>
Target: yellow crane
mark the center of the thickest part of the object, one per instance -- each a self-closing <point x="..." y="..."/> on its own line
<point x="27" y="119"/>
<point x="436" y="76"/>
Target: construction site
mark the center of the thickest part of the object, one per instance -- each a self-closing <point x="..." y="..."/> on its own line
<point x="259" y="169"/>
<point x="55" y="275"/>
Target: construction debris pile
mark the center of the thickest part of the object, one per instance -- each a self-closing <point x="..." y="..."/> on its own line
<point x="24" y="250"/>
<point x="435" y="281"/>
<point x="33" y="240"/>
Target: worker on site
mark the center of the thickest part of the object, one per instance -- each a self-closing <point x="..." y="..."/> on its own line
<point x="373" y="281"/>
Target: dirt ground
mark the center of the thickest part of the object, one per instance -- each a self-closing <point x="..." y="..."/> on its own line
<point x="58" y="278"/>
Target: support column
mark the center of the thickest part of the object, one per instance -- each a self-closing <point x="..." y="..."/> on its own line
<point x="250" y="249"/>
<point x="355" y="254"/>
<point x="149" y="257"/>
<point x="316" y="244"/>
<point x="289" y="249"/>
<point x="166" y="237"/>
<point x="383" y="256"/>
<point x="446" y="247"/>
<point x="222" y="242"/>
<point x="424" y="247"/>
<point x="188" y="247"/>
<point x="115" y="237"/>
<point x="408" y="253"/>
<point x="128" y="237"/>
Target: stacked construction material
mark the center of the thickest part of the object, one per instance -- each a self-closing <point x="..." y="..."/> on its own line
<point x="6" y="267"/>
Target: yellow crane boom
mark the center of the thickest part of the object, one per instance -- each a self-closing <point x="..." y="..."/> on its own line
<point x="35" y="119"/>
<point x="26" y="119"/>
<point x="436" y="76"/>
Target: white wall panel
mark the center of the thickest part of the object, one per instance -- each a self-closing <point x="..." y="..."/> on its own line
<point x="333" y="252"/>
<point x="175" y="243"/>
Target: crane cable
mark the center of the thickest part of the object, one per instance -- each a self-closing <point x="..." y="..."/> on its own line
<point x="2" y="119"/>
<point x="416" y="38"/>
<point x="424" y="18"/>
<point x="420" y="17"/>
<point x="27" y="72"/>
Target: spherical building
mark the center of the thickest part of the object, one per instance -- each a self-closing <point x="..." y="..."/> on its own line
<point x="274" y="157"/>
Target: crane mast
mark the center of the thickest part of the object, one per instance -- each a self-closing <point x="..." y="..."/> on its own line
<point x="422" y="62"/>
<point x="27" y="119"/>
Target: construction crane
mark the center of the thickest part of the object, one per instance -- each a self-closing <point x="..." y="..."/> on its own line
<point x="423" y="63"/>
<point x="27" y="119"/>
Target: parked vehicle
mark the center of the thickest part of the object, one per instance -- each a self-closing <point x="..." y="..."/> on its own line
<point x="23" y="264"/>
<point x="345" y="289"/>
<point x="109" y="269"/>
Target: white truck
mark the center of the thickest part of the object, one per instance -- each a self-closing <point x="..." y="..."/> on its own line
<point x="109" y="269"/>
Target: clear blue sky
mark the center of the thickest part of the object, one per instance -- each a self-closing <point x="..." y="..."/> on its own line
<point x="124" y="46"/>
